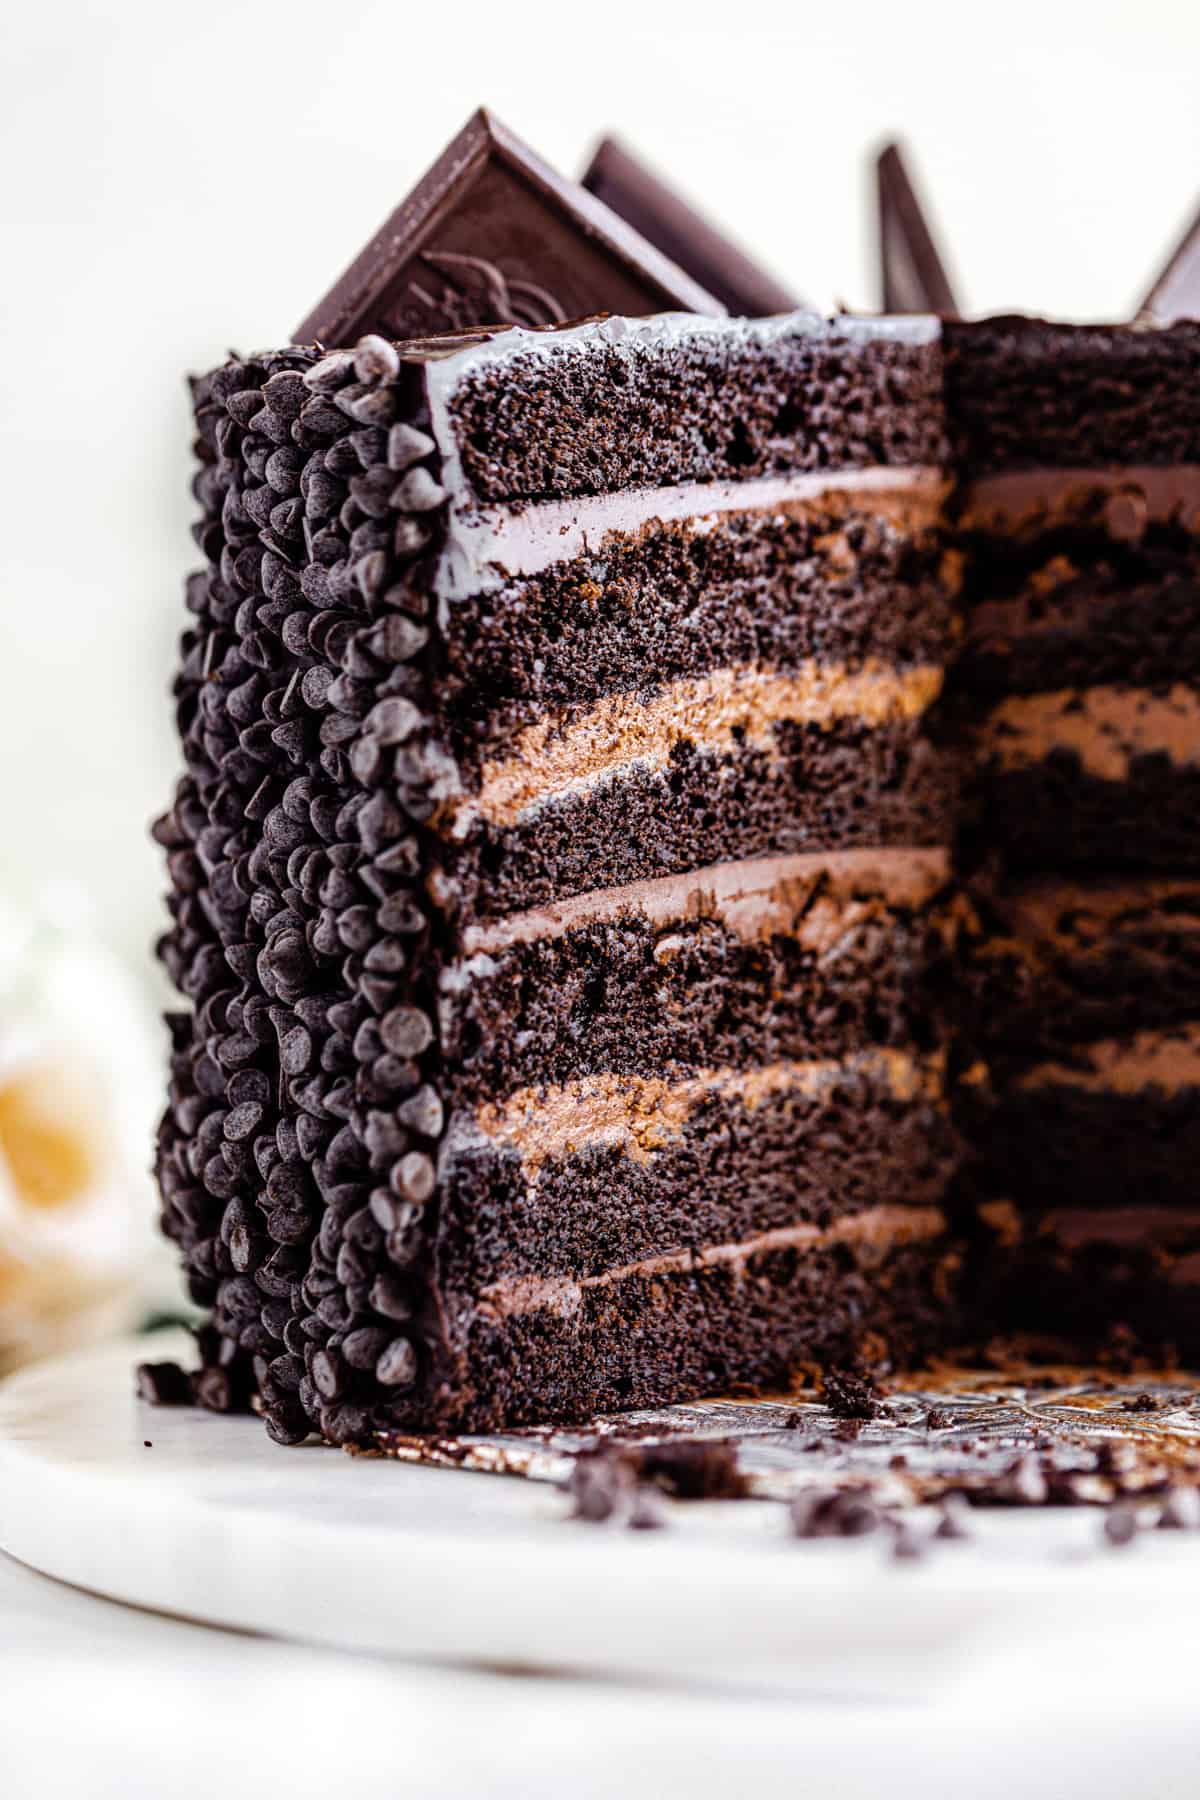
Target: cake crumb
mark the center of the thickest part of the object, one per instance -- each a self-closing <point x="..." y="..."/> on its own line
<point x="849" y="1395"/>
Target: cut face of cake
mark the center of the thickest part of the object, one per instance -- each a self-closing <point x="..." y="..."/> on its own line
<point x="561" y="873"/>
<point x="1080" y="515"/>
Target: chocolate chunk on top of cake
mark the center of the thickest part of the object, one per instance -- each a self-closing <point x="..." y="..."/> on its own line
<point x="641" y="197"/>
<point x="560" y="865"/>
<point x="912" y="275"/>
<point x="492" y="235"/>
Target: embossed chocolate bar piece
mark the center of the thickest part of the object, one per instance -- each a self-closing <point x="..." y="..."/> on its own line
<point x="1176" y="293"/>
<point x="493" y="236"/>
<point x="912" y="276"/>
<point x="615" y="176"/>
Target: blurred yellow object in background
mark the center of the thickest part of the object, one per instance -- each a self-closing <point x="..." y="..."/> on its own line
<point x="80" y="1079"/>
<point x="50" y="1152"/>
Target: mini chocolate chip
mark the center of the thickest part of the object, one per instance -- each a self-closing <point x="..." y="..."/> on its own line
<point x="391" y="1298"/>
<point x="397" y="1366"/>
<point x="363" y="1348"/>
<point x="409" y="538"/>
<point x="406" y="446"/>
<point x="163" y="1384"/>
<point x="393" y="720"/>
<point x="414" y="1178"/>
<point x="327" y="1373"/>
<point x="243" y="1121"/>
<point x="247" y="1248"/>
<point x="375" y="359"/>
<point x="211" y="1388"/>
<point x="418" y="492"/>
<point x="345" y="1424"/>
<point x="601" y="1484"/>
<point x="423" y="1112"/>
<point x="333" y="371"/>
<point x="288" y="1426"/>
<point x="406" y="1031"/>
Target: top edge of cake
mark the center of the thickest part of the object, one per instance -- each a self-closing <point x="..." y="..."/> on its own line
<point x="1027" y="393"/>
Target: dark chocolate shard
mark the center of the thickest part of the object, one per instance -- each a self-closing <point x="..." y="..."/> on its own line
<point x="493" y="236"/>
<point x="1176" y="293"/>
<point x="912" y="275"/>
<point x="616" y="177"/>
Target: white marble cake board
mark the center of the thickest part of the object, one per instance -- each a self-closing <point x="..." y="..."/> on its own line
<point x="214" y="1522"/>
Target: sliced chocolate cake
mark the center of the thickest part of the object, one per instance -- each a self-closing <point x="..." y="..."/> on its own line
<point x="1078" y="683"/>
<point x="596" y="955"/>
<point x="561" y="870"/>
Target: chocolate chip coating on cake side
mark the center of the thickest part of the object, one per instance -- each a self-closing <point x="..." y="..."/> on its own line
<point x="297" y="1155"/>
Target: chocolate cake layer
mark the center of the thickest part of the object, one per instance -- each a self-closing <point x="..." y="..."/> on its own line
<point x="1067" y="961"/>
<point x="1117" y="1121"/>
<point x="679" y="399"/>
<point x="1026" y="393"/>
<point x="845" y="576"/>
<point x="607" y="1170"/>
<point x="847" y="786"/>
<point x="748" y="1315"/>
<point x="1080" y="1275"/>
<point x="785" y="957"/>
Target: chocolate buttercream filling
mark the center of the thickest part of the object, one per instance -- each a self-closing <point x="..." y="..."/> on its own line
<point x="1122" y="501"/>
<point x="489" y="546"/>
<point x="1167" y="1061"/>
<point x="878" y="1229"/>
<point x="565" y="753"/>
<point x="1106" y="727"/>
<point x="812" y="896"/>
<point x="641" y="1114"/>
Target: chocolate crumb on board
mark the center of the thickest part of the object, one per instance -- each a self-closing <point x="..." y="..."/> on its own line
<point x="695" y="1469"/>
<point x="1121" y="1524"/>
<point x="849" y="1395"/>
<point x="163" y="1384"/>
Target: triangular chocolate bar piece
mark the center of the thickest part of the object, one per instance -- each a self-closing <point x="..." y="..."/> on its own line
<point x="1176" y="293"/>
<point x="913" y="278"/>
<point x="644" y="201"/>
<point x="493" y="236"/>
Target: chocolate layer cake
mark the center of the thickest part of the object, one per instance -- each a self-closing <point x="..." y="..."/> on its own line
<point x="688" y="868"/>
<point x="1080" y="523"/>
<point x="560" y="873"/>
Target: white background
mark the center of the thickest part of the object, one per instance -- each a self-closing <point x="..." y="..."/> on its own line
<point x="181" y="179"/>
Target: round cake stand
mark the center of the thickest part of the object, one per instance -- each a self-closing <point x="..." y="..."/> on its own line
<point x="202" y="1515"/>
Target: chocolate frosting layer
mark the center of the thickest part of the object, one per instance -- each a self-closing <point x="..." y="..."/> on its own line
<point x="485" y="547"/>
<point x="1168" y="1061"/>
<point x="754" y="899"/>
<point x="1122" y="501"/>
<point x="640" y="1114"/>
<point x="566" y="753"/>
<point x="1106" y="727"/>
